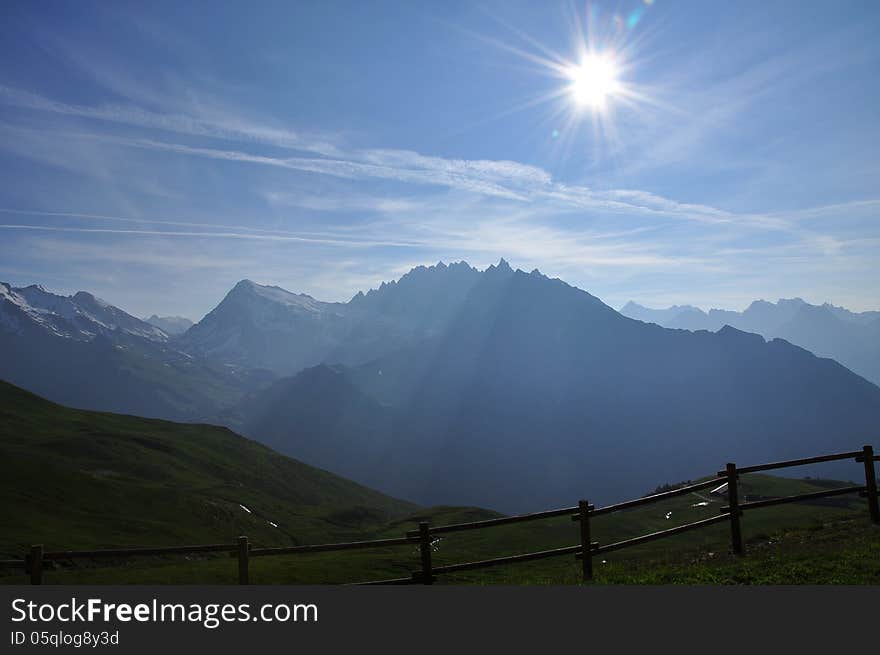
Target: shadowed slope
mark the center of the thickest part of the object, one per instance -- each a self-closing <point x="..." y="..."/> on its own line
<point x="77" y="479"/>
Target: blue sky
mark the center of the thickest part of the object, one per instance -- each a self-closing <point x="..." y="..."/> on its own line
<point x="155" y="154"/>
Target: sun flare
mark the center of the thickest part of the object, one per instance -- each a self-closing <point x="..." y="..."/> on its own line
<point x="593" y="81"/>
<point x="595" y="78"/>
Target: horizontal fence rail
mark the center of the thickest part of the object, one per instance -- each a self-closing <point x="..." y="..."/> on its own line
<point x="647" y="500"/>
<point x="488" y="523"/>
<point x="769" y="502"/>
<point x="408" y="580"/>
<point x="583" y="513"/>
<point x="325" y="548"/>
<point x="660" y="534"/>
<point x="139" y="552"/>
<point x="818" y="459"/>
<point x="510" y="559"/>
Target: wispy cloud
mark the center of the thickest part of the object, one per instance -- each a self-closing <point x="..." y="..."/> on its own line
<point x="342" y="202"/>
<point x="209" y="234"/>
<point x="319" y="211"/>
<point x="513" y="229"/>
<point x="503" y="179"/>
<point x="228" y="128"/>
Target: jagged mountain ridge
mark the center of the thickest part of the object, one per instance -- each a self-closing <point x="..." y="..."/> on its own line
<point x="494" y="388"/>
<point x="80" y="316"/>
<point x="266" y="326"/>
<point x="537" y="394"/>
<point x="83" y="352"/>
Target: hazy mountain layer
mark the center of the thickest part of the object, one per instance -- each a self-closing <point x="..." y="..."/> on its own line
<point x="171" y="325"/>
<point x="537" y="394"/>
<point x="83" y="352"/>
<point x="495" y="388"/>
<point x="268" y="327"/>
<point x="78" y="479"/>
<point x="853" y="339"/>
<point x="79" y="317"/>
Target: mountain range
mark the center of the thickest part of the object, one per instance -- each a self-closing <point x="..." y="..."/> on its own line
<point x="80" y="351"/>
<point x="268" y="327"/>
<point x="497" y="388"/>
<point x="536" y="393"/>
<point x="172" y="325"/>
<point x="853" y="339"/>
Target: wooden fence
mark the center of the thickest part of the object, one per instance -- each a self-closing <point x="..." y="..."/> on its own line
<point x="583" y="513"/>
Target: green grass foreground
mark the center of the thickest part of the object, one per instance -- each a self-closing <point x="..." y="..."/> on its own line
<point x="794" y="544"/>
<point x="74" y="479"/>
<point x="85" y="480"/>
<point x="844" y="552"/>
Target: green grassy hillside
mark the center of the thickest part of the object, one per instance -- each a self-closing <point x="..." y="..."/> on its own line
<point x="75" y="479"/>
<point x="799" y="543"/>
<point x="78" y="479"/>
<point x="663" y="560"/>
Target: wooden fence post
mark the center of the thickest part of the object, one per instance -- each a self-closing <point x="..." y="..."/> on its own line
<point x="871" y="484"/>
<point x="733" y="502"/>
<point x="425" y="550"/>
<point x="243" y="560"/>
<point x="586" y="540"/>
<point x="35" y="561"/>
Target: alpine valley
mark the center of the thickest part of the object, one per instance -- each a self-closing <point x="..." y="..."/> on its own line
<point x="497" y="388"/>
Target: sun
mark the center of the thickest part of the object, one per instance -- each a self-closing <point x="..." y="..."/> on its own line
<point x="593" y="81"/>
<point x="595" y="78"/>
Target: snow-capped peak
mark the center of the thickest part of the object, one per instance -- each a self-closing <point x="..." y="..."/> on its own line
<point x="278" y="295"/>
<point x="81" y="316"/>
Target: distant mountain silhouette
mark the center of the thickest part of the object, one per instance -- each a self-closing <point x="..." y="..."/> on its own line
<point x="171" y="325"/>
<point x="494" y="388"/>
<point x="79" y="317"/>
<point x="81" y="351"/>
<point x="853" y="339"/>
<point x="268" y="327"/>
<point x="263" y="326"/>
<point x="536" y="394"/>
<point x="659" y="316"/>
